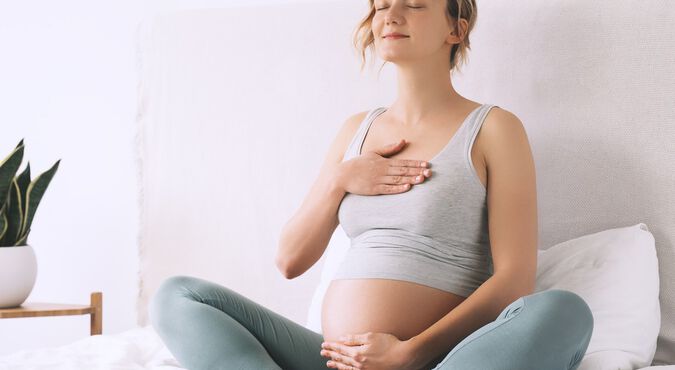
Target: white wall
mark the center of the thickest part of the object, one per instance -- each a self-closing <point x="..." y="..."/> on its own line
<point x="68" y="84"/>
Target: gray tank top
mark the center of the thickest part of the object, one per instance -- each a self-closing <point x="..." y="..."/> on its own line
<point x="435" y="234"/>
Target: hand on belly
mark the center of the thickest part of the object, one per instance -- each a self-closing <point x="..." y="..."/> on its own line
<point x="399" y="308"/>
<point x="381" y="351"/>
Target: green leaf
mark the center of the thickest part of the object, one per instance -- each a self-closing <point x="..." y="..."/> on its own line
<point x="3" y="224"/>
<point x="23" y="180"/>
<point x="8" y="168"/>
<point x="23" y="239"/>
<point x="36" y="190"/>
<point x="14" y="215"/>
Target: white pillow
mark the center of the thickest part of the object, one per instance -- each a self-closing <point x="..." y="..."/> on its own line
<point x="335" y="253"/>
<point x="616" y="272"/>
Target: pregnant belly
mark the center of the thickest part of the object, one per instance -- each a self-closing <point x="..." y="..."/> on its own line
<point x="401" y="308"/>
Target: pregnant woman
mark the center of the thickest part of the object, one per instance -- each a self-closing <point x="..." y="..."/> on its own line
<point x="438" y="196"/>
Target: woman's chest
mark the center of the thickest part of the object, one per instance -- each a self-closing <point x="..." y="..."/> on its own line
<point x="432" y="144"/>
<point x="451" y="199"/>
<point x="476" y="156"/>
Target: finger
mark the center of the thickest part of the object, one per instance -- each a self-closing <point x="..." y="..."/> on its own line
<point x="396" y="180"/>
<point x="408" y="171"/>
<point x="390" y="148"/>
<point x="392" y="189"/>
<point x="342" y="351"/>
<point x="337" y="348"/>
<point x="342" y="359"/>
<point x="332" y="355"/>
<point x="341" y="366"/>
<point x="396" y="162"/>
<point x="395" y="145"/>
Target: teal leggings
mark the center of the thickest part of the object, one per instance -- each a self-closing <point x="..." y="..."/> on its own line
<point x="208" y="326"/>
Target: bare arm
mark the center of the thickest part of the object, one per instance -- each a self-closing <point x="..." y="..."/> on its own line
<point x="306" y="235"/>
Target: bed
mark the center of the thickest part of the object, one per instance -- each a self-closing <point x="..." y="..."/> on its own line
<point x="138" y="348"/>
<point x="237" y="105"/>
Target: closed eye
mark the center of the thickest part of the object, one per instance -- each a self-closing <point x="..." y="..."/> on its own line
<point x="412" y="7"/>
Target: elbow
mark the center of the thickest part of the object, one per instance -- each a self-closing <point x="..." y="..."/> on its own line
<point x="519" y="284"/>
<point x="522" y="286"/>
<point x="523" y="291"/>
<point x="529" y="283"/>
<point x="285" y="268"/>
<point x="281" y="260"/>
<point x="289" y="262"/>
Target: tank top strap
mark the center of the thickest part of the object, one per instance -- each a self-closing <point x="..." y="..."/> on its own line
<point x="476" y="121"/>
<point x="474" y="127"/>
<point x="360" y="135"/>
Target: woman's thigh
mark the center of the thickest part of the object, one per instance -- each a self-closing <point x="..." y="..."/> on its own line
<point x="209" y="326"/>
<point x="549" y="330"/>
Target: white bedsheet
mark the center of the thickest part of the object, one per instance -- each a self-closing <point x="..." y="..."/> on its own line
<point x="135" y="349"/>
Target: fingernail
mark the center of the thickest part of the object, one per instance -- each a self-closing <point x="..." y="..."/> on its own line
<point x="424" y="164"/>
<point x="427" y="172"/>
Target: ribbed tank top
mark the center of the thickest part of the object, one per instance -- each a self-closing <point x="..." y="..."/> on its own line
<point x="435" y="234"/>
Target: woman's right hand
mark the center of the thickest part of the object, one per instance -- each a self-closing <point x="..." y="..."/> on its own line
<point x="371" y="173"/>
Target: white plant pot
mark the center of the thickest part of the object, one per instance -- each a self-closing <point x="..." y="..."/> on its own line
<point x="18" y="270"/>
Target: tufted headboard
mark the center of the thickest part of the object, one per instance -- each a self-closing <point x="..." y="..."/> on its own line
<point x="237" y="107"/>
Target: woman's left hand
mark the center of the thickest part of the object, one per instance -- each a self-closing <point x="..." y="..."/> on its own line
<point x="369" y="351"/>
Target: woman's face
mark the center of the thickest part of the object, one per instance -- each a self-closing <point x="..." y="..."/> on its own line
<point x="423" y="22"/>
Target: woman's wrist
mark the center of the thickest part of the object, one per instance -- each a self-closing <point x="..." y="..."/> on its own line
<point x="418" y="358"/>
<point x="337" y="179"/>
<point x="414" y="355"/>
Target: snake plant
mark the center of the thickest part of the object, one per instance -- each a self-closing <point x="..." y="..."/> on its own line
<point x="19" y="197"/>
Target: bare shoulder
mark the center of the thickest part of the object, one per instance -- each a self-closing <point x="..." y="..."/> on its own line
<point x="353" y="122"/>
<point x="511" y="198"/>
<point x="344" y="136"/>
<point x="500" y="130"/>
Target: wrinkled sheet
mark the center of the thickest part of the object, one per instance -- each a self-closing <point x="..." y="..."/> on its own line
<point x="138" y="348"/>
<point x="135" y="349"/>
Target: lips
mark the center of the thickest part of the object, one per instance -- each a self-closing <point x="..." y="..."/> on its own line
<point x="394" y="35"/>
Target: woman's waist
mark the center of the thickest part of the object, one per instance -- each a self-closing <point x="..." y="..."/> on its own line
<point x="403" y="244"/>
<point x="395" y="255"/>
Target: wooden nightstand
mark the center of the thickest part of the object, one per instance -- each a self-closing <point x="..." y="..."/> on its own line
<point x="37" y="309"/>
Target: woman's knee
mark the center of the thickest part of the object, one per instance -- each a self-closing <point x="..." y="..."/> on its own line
<point x="165" y="296"/>
<point x="573" y="305"/>
<point x="176" y="283"/>
<point x="567" y="311"/>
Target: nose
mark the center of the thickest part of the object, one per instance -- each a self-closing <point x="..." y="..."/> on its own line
<point x="392" y="15"/>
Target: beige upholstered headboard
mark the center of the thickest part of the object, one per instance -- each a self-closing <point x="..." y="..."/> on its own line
<point x="237" y="107"/>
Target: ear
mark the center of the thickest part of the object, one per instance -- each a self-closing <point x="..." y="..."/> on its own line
<point x="453" y="37"/>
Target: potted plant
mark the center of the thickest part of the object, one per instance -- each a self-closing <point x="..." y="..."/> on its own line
<point x="19" y="198"/>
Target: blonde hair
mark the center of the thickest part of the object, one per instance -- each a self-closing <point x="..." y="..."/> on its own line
<point x="454" y="10"/>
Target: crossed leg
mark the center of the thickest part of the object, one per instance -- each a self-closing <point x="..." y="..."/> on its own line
<point x="548" y="330"/>
<point x="209" y="326"/>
